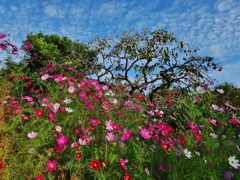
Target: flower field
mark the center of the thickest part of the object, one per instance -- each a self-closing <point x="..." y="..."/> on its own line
<point x="61" y="124"/>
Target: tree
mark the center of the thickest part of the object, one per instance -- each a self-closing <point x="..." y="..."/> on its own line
<point x="43" y="49"/>
<point x="152" y="59"/>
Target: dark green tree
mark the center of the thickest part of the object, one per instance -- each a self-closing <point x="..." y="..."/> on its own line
<point x="42" y="49"/>
<point x="150" y="58"/>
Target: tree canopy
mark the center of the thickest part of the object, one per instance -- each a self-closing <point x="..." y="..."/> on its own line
<point x="41" y="49"/>
<point x="150" y="59"/>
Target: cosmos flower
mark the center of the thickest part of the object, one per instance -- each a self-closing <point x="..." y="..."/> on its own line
<point x="32" y="135"/>
<point x="51" y="165"/>
<point x="233" y="162"/>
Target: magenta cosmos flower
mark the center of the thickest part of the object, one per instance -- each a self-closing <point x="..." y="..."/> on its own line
<point x="62" y="141"/>
<point x="145" y="133"/>
<point x="51" y="165"/>
<point x="39" y="177"/>
<point x="126" y="135"/>
<point x="123" y="163"/>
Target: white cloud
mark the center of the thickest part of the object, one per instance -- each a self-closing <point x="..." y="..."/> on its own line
<point x="217" y="50"/>
<point x="2" y="9"/>
<point x="13" y="8"/>
<point x="224" y="6"/>
<point x="50" y="10"/>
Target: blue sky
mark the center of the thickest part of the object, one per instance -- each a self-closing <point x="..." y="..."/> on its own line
<point x="211" y="25"/>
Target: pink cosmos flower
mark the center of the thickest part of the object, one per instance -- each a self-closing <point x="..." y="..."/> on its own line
<point x="17" y="110"/>
<point x="25" y="117"/>
<point x="27" y="98"/>
<point x="161" y="126"/>
<point x="62" y="141"/>
<point x="127" y="104"/>
<point x="82" y="95"/>
<point x="213" y="135"/>
<point x="145" y="133"/>
<point x="234" y="120"/>
<point x="123" y="163"/>
<point x="137" y="108"/>
<point x="44" y="100"/>
<point x="82" y="142"/>
<point x="221" y="91"/>
<point x="151" y="113"/>
<point x="161" y="168"/>
<point x="58" y="78"/>
<point x="74" y="145"/>
<point x="147" y="171"/>
<point x="71" y="89"/>
<point x="45" y="77"/>
<point x="58" y="129"/>
<point x="95" y="122"/>
<point x="110" y="137"/>
<point x="89" y="105"/>
<point x="109" y="125"/>
<point x="158" y="113"/>
<point x="193" y="126"/>
<point x="32" y="135"/>
<point x="80" y="74"/>
<point x="82" y="83"/>
<point x="105" y="88"/>
<point x="228" y="105"/>
<point x="70" y="68"/>
<point x="215" y="107"/>
<point x="212" y="121"/>
<point x="51" y="165"/>
<point x="51" y="115"/>
<point x="151" y="104"/>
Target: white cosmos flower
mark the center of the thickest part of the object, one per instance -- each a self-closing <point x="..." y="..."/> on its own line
<point x="109" y="93"/>
<point x="200" y="90"/>
<point x="187" y="153"/>
<point x="56" y="106"/>
<point x="233" y="162"/>
<point x="67" y="101"/>
<point x="69" y="110"/>
<point x="197" y="153"/>
<point x="114" y="101"/>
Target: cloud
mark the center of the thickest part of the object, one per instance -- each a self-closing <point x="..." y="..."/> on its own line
<point x="224" y="6"/>
<point x="54" y="10"/>
<point x="217" y="50"/>
<point x="14" y="8"/>
<point x="229" y="73"/>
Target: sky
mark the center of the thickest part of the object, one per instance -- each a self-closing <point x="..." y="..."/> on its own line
<point x="211" y="25"/>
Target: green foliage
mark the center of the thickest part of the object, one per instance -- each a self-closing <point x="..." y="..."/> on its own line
<point x="230" y="95"/>
<point x="44" y="49"/>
